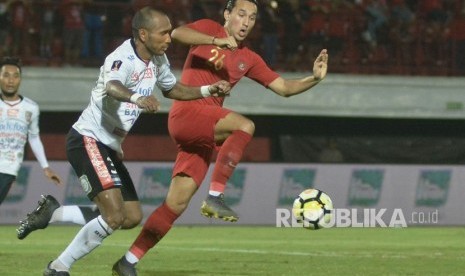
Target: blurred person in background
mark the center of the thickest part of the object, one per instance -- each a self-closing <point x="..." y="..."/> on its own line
<point x="19" y="123"/>
<point x="5" y="22"/>
<point x="94" y="21"/>
<point x="73" y="30"/>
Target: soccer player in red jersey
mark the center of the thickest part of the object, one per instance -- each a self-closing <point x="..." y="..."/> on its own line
<point x="200" y="126"/>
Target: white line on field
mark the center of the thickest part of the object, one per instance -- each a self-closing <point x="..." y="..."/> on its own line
<point x="310" y="254"/>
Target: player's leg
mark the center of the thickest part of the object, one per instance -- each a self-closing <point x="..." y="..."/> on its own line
<point x="188" y="173"/>
<point x="234" y="132"/>
<point x="102" y="183"/>
<point x="158" y="224"/>
<point x="91" y="235"/>
<point x="6" y="181"/>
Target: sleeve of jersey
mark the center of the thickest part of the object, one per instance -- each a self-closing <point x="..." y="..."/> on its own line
<point x="260" y="72"/>
<point x="165" y="78"/>
<point x="116" y="68"/>
<point x="206" y="26"/>
<point x="35" y="142"/>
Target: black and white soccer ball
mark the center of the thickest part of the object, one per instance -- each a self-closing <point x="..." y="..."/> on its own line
<point x="313" y="208"/>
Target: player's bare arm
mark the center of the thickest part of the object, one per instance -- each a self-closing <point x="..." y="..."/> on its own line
<point x="118" y="91"/>
<point x="291" y="87"/>
<point x="189" y="36"/>
<point x="182" y="92"/>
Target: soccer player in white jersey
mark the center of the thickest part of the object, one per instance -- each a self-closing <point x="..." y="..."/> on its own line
<point x="123" y="90"/>
<point x="19" y="122"/>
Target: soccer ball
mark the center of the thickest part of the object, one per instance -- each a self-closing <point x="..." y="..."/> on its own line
<point x="313" y="208"/>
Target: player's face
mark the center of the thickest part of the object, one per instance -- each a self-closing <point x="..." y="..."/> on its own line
<point x="241" y="20"/>
<point x="159" y="39"/>
<point x="10" y="78"/>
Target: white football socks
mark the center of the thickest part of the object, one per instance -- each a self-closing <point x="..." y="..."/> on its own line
<point x="87" y="239"/>
<point x="131" y="258"/>
<point x="70" y="213"/>
<point x="214" y="193"/>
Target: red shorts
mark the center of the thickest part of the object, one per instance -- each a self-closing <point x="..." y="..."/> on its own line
<point x="191" y="126"/>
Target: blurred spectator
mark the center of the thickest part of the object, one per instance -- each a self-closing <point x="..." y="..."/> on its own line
<point x="289" y="12"/>
<point x="377" y="17"/>
<point x="433" y="10"/>
<point x="315" y="26"/>
<point x="402" y="32"/>
<point x="457" y="36"/>
<point x="47" y="27"/>
<point x="73" y="30"/>
<point x="5" y="26"/>
<point x="94" y="19"/>
<point x="338" y="30"/>
<point x="269" y="29"/>
<point x="197" y="11"/>
<point x="21" y="17"/>
<point x="330" y="153"/>
<point x="399" y="36"/>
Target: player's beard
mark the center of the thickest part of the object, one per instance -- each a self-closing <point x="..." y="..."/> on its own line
<point x="8" y="94"/>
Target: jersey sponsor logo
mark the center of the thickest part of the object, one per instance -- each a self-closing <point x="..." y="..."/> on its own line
<point x="12" y="113"/>
<point x="241" y="66"/>
<point x="134" y="76"/>
<point x="98" y="163"/>
<point x="116" y="65"/>
<point x="148" y="73"/>
<point x="28" y="116"/>
<point x="85" y="183"/>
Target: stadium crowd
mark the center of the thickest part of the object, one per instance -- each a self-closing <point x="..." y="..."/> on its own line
<point x="408" y="37"/>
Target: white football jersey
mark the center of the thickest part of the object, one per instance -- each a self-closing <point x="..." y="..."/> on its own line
<point x="17" y="122"/>
<point x="109" y="120"/>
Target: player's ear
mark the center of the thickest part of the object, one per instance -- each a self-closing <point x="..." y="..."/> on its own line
<point x="226" y="15"/>
<point x="143" y="34"/>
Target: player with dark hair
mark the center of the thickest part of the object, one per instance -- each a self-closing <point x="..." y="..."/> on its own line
<point x="19" y="123"/>
<point x="198" y="127"/>
<point x="123" y="90"/>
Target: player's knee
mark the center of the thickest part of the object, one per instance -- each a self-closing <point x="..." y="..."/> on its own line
<point x="177" y="205"/>
<point x="133" y="217"/>
<point x="248" y="126"/>
<point x="115" y="221"/>
<point x="132" y="221"/>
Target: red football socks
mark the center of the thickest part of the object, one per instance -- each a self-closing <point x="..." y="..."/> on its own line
<point x="154" y="229"/>
<point x="228" y="157"/>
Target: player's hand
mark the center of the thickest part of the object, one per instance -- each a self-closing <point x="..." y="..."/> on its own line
<point x="226" y="42"/>
<point x="148" y="103"/>
<point x="53" y="176"/>
<point x="220" y="89"/>
<point x="320" y="66"/>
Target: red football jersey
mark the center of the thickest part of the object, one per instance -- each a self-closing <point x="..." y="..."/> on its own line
<point x="207" y="64"/>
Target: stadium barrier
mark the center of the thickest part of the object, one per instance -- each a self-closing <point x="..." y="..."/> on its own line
<point x="425" y="194"/>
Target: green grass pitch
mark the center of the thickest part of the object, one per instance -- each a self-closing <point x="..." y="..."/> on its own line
<point x="235" y="250"/>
